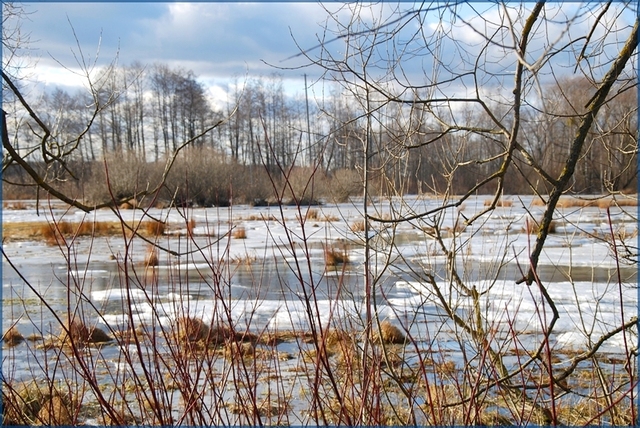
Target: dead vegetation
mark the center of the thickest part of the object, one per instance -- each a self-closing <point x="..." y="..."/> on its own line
<point x="239" y="232"/>
<point x="12" y="337"/>
<point x="357" y="226"/>
<point x="335" y="256"/>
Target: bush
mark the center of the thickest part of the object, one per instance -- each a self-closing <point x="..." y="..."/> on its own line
<point x="344" y="183"/>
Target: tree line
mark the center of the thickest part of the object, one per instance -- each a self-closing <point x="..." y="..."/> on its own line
<point x="143" y="115"/>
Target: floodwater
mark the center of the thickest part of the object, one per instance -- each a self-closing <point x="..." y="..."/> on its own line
<point x="277" y="279"/>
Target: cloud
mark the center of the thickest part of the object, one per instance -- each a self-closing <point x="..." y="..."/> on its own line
<point x="213" y="39"/>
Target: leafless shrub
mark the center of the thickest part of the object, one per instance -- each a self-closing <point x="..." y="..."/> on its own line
<point x="343" y="184"/>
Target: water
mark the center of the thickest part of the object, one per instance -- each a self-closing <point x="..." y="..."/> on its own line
<point x="277" y="281"/>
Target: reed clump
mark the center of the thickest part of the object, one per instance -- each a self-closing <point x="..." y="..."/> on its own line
<point x="357" y="226"/>
<point x="505" y="203"/>
<point x="153" y="227"/>
<point x="77" y="333"/>
<point x="12" y="337"/>
<point x="151" y="257"/>
<point x="389" y="333"/>
<point x="55" y="412"/>
<point x="35" y="403"/>
<point x="334" y="257"/>
<point x="191" y="225"/>
<point x="532" y="226"/>
<point x="239" y="232"/>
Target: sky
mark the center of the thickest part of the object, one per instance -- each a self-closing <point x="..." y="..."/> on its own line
<point x="220" y="42"/>
<point x="217" y="41"/>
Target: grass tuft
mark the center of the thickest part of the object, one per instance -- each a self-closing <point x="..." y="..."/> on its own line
<point x="12" y="337"/>
<point x="390" y="334"/>
<point x="153" y="227"/>
<point x="357" y="226"/>
<point x="333" y="257"/>
<point x="239" y="232"/>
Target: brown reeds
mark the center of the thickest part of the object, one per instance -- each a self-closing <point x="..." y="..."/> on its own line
<point x="191" y="225"/>
<point x="15" y="205"/>
<point x="312" y="214"/>
<point x="532" y="227"/>
<point x="154" y="227"/>
<point x="506" y="203"/>
<point x="239" y="232"/>
<point x="12" y="337"/>
<point x="334" y="256"/>
<point x="189" y="329"/>
<point x="55" y="412"/>
<point x="131" y="204"/>
<point x="357" y="226"/>
<point x="389" y="333"/>
<point x="151" y="257"/>
<point x="78" y="333"/>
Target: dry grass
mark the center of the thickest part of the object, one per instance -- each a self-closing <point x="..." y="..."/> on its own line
<point x="239" y="232"/>
<point x="312" y="214"/>
<point x="191" y="225"/>
<point x="333" y="256"/>
<point x="12" y="337"/>
<point x="256" y="217"/>
<point x="632" y="202"/>
<point x="131" y="204"/>
<point x="23" y="404"/>
<point x="501" y="203"/>
<point x="532" y="226"/>
<point x="234" y="350"/>
<point x="15" y="205"/>
<point x="151" y="257"/>
<point x="153" y="227"/>
<point x="457" y="229"/>
<point x="537" y="202"/>
<point x="78" y="333"/>
<point x="191" y="330"/>
<point x="390" y="334"/>
<point x="243" y="259"/>
<point x="330" y="218"/>
<point x="55" y="412"/>
<point x="49" y="232"/>
<point x="357" y="226"/>
<point x="602" y="203"/>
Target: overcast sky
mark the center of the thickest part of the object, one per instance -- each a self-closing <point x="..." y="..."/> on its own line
<point x="215" y="40"/>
